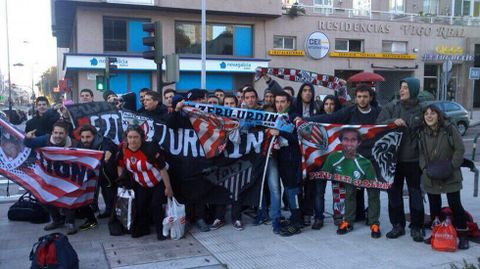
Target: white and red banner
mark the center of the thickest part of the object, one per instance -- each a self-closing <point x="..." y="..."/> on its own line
<point x="63" y="177"/>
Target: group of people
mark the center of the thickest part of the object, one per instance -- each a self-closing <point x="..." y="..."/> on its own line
<point x="143" y="167"/>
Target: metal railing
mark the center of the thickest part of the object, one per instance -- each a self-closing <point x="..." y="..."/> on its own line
<point x="387" y="15"/>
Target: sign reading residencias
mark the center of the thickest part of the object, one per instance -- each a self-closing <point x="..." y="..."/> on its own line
<point x="359" y="27"/>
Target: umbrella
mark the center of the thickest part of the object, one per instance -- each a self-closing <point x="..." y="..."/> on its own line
<point x="365" y="77"/>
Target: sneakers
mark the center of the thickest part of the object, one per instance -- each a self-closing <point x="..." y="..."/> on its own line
<point x="416" y="234"/>
<point x="88" y="225"/>
<point x="290" y="230"/>
<point x="396" y="232"/>
<point x="276" y="226"/>
<point x="337" y="219"/>
<point x="307" y="220"/>
<point x="53" y="225"/>
<point x="71" y="229"/>
<point x="318" y="224"/>
<point x="260" y="218"/>
<point x="202" y="225"/>
<point x="238" y="225"/>
<point x="217" y="224"/>
<point x="375" y="231"/>
<point x="344" y="228"/>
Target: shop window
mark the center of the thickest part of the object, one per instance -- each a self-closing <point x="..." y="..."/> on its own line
<point x="114" y="34"/>
<point x="346" y="45"/>
<point x="221" y="38"/>
<point x="323" y="6"/>
<point x="430" y="78"/>
<point x="397" y="47"/>
<point x="430" y="7"/>
<point x="284" y="42"/>
<point x="362" y="7"/>
<point x="396" y="6"/>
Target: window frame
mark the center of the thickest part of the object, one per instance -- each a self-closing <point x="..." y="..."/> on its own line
<point x="391" y="46"/>
<point x="394" y="8"/>
<point x="177" y="22"/>
<point x="283" y="37"/>
<point x="362" y="44"/>
<point x="361" y="12"/>
<point x="323" y="8"/>
<point x="127" y="29"/>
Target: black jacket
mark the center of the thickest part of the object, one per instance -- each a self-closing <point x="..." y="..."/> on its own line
<point x="43" y="124"/>
<point x="108" y="170"/>
<point x="158" y="114"/>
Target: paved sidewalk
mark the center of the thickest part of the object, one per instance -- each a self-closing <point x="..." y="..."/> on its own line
<point x="255" y="247"/>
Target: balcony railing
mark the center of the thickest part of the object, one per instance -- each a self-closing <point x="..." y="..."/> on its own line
<point x="336" y="12"/>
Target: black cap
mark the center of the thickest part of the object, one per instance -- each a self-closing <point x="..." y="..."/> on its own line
<point x="107" y="93"/>
<point x="195" y="94"/>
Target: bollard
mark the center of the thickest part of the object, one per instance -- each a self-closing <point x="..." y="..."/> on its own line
<point x="474" y="148"/>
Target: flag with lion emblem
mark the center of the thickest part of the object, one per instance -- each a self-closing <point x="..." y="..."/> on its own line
<point x="361" y="155"/>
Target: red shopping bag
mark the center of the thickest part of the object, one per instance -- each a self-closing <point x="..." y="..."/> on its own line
<point x="444" y="237"/>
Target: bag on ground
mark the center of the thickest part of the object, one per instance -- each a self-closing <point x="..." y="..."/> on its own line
<point x="124" y="207"/>
<point x="27" y="208"/>
<point x="174" y="221"/>
<point x="444" y="237"/>
<point x="53" y="251"/>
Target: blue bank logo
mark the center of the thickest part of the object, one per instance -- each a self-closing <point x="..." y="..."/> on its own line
<point x="93" y="62"/>
<point x="223" y="65"/>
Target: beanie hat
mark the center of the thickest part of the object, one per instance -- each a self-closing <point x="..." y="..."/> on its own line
<point x="107" y="93"/>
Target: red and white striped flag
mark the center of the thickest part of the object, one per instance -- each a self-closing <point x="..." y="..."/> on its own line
<point x="213" y="131"/>
<point x="63" y="177"/>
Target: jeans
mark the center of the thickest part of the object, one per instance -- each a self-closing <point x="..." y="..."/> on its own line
<point x="319" y="204"/>
<point x="275" y="194"/>
<point x="409" y="171"/>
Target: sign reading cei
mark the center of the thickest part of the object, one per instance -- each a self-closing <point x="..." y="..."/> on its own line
<point x="317" y="45"/>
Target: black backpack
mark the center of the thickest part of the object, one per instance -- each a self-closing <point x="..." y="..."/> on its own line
<point x="53" y="251"/>
<point x="27" y="208"/>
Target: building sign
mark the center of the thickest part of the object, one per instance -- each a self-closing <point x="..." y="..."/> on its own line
<point x="358" y="27"/>
<point x="448" y="50"/>
<point x="373" y="55"/>
<point x="286" y="52"/>
<point x="86" y="62"/>
<point x="442" y="57"/>
<point x="474" y="73"/>
<point x="427" y="31"/>
<point x="317" y="45"/>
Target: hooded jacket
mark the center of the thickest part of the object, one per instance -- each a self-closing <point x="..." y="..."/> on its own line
<point x="160" y="113"/>
<point x="43" y="124"/>
<point x="312" y="106"/>
<point x="411" y="112"/>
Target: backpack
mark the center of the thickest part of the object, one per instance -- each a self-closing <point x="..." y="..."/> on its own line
<point x="471" y="225"/>
<point x="53" y="251"/>
<point x="27" y="208"/>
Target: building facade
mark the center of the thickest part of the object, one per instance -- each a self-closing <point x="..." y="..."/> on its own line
<point x="436" y="41"/>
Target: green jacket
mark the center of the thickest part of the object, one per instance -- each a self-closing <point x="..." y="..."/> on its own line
<point x="445" y="144"/>
<point x="411" y="113"/>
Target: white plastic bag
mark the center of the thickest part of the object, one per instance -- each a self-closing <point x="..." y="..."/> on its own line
<point x="124" y="207"/>
<point x="174" y="221"/>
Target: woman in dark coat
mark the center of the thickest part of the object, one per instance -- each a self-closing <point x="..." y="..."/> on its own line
<point x="439" y="141"/>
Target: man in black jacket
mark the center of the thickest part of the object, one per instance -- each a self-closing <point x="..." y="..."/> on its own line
<point x="44" y="118"/>
<point x="154" y="108"/>
<point x="90" y="139"/>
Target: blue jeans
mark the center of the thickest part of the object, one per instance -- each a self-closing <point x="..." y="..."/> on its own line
<point x="273" y="180"/>
<point x="319" y="204"/>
